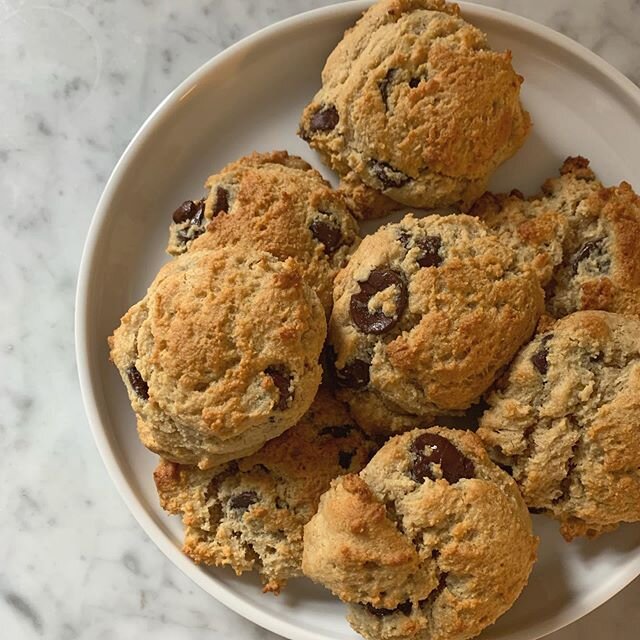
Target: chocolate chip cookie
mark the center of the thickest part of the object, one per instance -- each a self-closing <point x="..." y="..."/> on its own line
<point x="425" y="315"/>
<point x="250" y="513"/>
<point x="583" y="239"/>
<point x="431" y="541"/>
<point x="416" y="105"/>
<point x="221" y="354"/>
<point x="273" y="202"/>
<point x="566" y="422"/>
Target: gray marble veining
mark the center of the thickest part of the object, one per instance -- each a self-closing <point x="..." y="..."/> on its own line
<point x="77" y="78"/>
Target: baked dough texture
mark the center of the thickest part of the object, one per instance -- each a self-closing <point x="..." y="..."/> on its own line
<point x="565" y="421"/>
<point x="221" y="354"/>
<point x="426" y="314"/>
<point x="431" y="541"/>
<point x="273" y="202"/>
<point x="250" y="513"/>
<point x="414" y="104"/>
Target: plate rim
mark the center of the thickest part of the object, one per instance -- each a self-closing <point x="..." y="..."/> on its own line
<point x="106" y="448"/>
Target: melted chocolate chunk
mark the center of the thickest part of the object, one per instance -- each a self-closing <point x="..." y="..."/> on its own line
<point x="325" y="119"/>
<point x="341" y="431"/>
<point x="404" y="608"/>
<point x="345" y="458"/>
<point x="354" y="375"/>
<point x="384" y="86"/>
<point x="539" y="358"/>
<point x="185" y="211"/>
<point x="429" y="251"/>
<point x="137" y="382"/>
<point x="430" y="448"/>
<point x="389" y="176"/>
<point x="222" y="201"/>
<point x="282" y="380"/>
<point x="377" y="322"/>
<point x="587" y="249"/>
<point x="243" y="500"/>
<point x="328" y="234"/>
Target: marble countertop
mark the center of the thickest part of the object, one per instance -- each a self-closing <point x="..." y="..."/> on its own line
<point x="77" y="78"/>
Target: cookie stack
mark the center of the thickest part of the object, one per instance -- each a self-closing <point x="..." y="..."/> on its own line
<point x="301" y="383"/>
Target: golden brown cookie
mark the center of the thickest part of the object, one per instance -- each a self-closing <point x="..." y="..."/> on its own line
<point x="250" y="513"/>
<point x="273" y="202"/>
<point x="566" y="422"/>
<point x="221" y="355"/>
<point x="416" y="105"/>
<point x="425" y="315"/>
<point x="431" y="541"/>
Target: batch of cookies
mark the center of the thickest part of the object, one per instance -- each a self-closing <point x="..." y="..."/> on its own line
<point x="382" y="414"/>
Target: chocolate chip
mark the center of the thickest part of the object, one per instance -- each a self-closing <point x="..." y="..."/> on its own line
<point x="404" y="238"/>
<point x="185" y="211"/>
<point x="539" y="358"/>
<point x="384" y="86"/>
<point x="222" y="201"/>
<point x="354" y="374"/>
<point x="429" y="251"/>
<point x="137" y="382"/>
<point x="345" y="458"/>
<point x="404" y="608"/>
<point x="328" y="234"/>
<point x="282" y="380"/>
<point x="430" y="448"/>
<point x="587" y="249"/>
<point x="377" y="322"/>
<point x="325" y="119"/>
<point x="243" y="500"/>
<point x="389" y="176"/>
<point x="414" y="82"/>
<point x="341" y="431"/>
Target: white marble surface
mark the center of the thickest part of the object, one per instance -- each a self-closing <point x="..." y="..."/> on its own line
<point x="77" y="78"/>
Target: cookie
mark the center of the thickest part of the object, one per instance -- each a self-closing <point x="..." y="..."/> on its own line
<point x="425" y="315"/>
<point x="221" y="354"/>
<point x="273" y="202"/>
<point x="431" y="541"/>
<point x="250" y="513"/>
<point x="416" y="105"/>
<point x="582" y="239"/>
<point x="566" y="422"/>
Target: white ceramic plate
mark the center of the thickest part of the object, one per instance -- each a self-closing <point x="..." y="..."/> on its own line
<point x="249" y="97"/>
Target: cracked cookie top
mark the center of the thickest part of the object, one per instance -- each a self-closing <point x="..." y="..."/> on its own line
<point x="425" y="314"/>
<point x="272" y="202"/>
<point x="582" y="239"/>
<point x="431" y="540"/>
<point x="416" y="105"/>
<point x="250" y="513"/>
<point x="221" y="354"/>
<point x="566" y="422"/>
